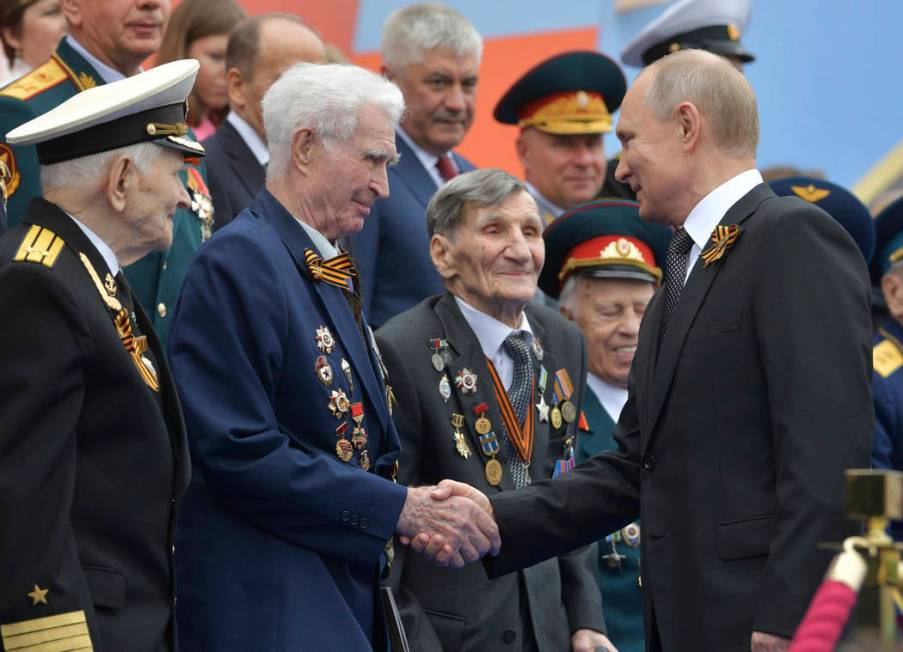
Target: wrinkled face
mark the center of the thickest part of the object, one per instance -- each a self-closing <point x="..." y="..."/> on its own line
<point x="608" y="312"/>
<point x="343" y="182"/>
<point x="119" y="32"/>
<point x="154" y="195"/>
<point x="652" y="160"/>
<point x="43" y="25"/>
<point x="566" y="169"/>
<point x="210" y="85"/>
<point x="440" y="91"/>
<point x="283" y="43"/>
<point x="495" y="255"/>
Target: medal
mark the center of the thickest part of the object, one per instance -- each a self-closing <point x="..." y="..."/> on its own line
<point x="537" y="349"/>
<point x="338" y="403"/>
<point x="324" y="340"/>
<point x="631" y="535"/>
<point x="563" y="409"/>
<point x="493" y="472"/>
<point x="490" y="446"/>
<point x="359" y="435"/>
<point x="555" y="417"/>
<point x="444" y="388"/>
<point x="568" y="412"/>
<point x="343" y="447"/>
<point x="109" y="284"/>
<point x="438" y="347"/>
<point x="346" y="370"/>
<point x="324" y="370"/>
<point x="365" y="460"/>
<point x="457" y="420"/>
<point x="466" y="381"/>
<point x="543" y="408"/>
<point x="567" y="462"/>
<point x="482" y="425"/>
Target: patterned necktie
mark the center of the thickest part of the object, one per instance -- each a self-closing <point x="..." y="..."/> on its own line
<point x="519" y="394"/>
<point x="446" y="168"/>
<point x="355" y="300"/>
<point x="676" y="261"/>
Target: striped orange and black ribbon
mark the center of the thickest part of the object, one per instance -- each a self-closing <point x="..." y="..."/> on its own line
<point x="338" y="270"/>
<point x="521" y="435"/>
<point x="135" y="346"/>
<point x="723" y="238"/>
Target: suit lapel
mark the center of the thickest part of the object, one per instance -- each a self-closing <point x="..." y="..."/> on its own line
<point x="465" y="353"/>
<point x="541" y="429"/>
<point x="336" y="306"/>
<point x="691" y="299"/>
<point x="245" y="165"/>
<point x="647" y="356"/>
<point x="410" y="172"/>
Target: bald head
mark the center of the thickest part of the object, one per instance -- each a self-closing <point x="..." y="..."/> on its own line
<point x="260" y="50"/>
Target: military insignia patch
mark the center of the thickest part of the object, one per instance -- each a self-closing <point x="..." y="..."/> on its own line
<point x="886" y="358"/>
<point x="40" y="245"/>
<point x="86" y="81"/>
<point x="45" y="76"/>
<point x="9" y="172"/>
<point x="810" y="193"/>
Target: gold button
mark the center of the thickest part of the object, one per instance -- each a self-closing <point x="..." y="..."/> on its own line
<point x="161" y="309"/>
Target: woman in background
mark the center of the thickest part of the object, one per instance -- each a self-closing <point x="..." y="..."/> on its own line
<point x="31" y="30"/>
<point x="199" y="29"/>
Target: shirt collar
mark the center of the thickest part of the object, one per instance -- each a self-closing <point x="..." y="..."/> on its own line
<point x="426" y="159"/>
<point x="544" y="204"/>
<point x="250" y="136"/>
<point x="102" y="247"/>
<point x="108" y="74"/>
<point x="490" y="331"/>
<point x="706" y="215"/>
<point x="324" y="247"/>
<point x="611" y="397"/>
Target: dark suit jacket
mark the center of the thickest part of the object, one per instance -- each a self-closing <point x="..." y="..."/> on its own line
<point x="455" y="610"/>
<point x="234" y="174"/>
<point x="92" y="460"/>
<point x="280" y="542"/>
<point x="734" y="439"/>
<point x="392" y="251"/>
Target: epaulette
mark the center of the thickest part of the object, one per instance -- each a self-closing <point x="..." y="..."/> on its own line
<point x="40" y="245"/>
<point x="45" y="76"/>
<point x="886" y="358"/>
<point x="67" y="631"/>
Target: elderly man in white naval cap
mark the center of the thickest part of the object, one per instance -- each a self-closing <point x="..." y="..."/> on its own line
<point x="93" y="455"/>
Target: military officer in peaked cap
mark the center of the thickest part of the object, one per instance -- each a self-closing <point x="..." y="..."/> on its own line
<point x="563" y="109"/>
<point x="93" y="453"/>
<point x="887" y="354"/>
<point x="603" y="264"/>
<point x="713" y="25"/>
<point x="108" y="40"/>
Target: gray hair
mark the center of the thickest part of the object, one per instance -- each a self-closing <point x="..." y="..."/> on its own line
<point x="480" y="188"/>
<point x="412" y="30"/>
<point x="326" y="99"/>
<point x="567" y="298"/>
<point x="84" y="171"/>
<point x="716" y="88"/>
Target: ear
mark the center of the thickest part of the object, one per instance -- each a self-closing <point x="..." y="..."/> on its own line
<point x="303" y="144"/>
<point x="892" y="289"/>
<point x="385" y="72"/>
<point x="9" y="35"/>
<point x="72" y="10"/>
<point x="521" y="146"/>
<point x="121" y="180"/>
<point x="566" y="312"/>
<point x="443" y="257"/>
<point x="235" y="88"/>
<point x="690" y="122"/>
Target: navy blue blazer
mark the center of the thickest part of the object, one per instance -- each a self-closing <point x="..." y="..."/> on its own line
<point x="279" y="542"/>
<point x="392" y="251"/>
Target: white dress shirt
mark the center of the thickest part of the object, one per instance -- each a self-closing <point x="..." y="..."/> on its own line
<point x="251" y="137"/>
<point x="323" y="246"/>
<point x="612" y="397"/>
<point x="491" y="333"/>
<point x="706" y="215"/>
<point x="102" y="247"/>
<point x="109" y="75"/>
<point x="426" y="159"/>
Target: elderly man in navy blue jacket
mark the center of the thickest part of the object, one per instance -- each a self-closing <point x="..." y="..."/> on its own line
<point x="286" y="523"/>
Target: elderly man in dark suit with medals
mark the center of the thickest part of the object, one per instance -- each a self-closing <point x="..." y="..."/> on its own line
<point x="488" y="393"/>
<point x="749" y="392"/>
<point x="93" y="456"/>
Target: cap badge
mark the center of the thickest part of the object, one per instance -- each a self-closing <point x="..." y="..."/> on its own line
<point x="733" y="32"/>
<point x="622" y="248"/>
<point x="582" y="99"/>
<point x="810" y="193"/>
<point x="674" y="47"/>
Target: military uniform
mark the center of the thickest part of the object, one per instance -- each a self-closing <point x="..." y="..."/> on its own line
<point x="157" y="278"/>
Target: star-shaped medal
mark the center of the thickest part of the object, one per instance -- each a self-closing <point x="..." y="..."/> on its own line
<point x="324" y="340"/>
<point x="339" y="403"/>
<point x="38" y="596"/>
<point x="543" y="408"/>
<point x="466" y="381"/>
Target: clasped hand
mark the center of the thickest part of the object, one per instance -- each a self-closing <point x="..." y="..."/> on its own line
<point x="450" y="524"/>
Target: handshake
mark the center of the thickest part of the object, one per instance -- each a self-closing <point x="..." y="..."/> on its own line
<point x="450" y="524"/>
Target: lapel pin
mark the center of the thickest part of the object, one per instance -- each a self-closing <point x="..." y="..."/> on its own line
<point x="324" y="340"/>
<point x="444" y="388"/>
<point x="324" y="370"/>
<point x="466" y="381"/>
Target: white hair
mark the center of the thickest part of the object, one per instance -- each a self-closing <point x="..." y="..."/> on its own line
<point x="83" y="172"/>
<point x="567" y="298"/>
<point x="325" y="98"/>
<point x="413" y="30"/>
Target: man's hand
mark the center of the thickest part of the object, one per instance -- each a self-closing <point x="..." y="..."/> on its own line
<point x="429" y="546"/>
<point x="762" y="642"/>
<point x="453" y="531"/>
<point x="589" y="640"/>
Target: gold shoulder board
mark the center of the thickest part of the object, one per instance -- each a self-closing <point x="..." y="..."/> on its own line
<point x="39" y="246"/>
<point x="68" y="631"/>
<point x="886" y="358"/>
<point x="41" y="78"/>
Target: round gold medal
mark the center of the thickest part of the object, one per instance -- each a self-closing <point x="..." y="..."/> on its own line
<point x="482" y="425"/>
<point x="493" y="472"/>
<point x="568" y="412"/>
<point x="555" y="417"/>
<point x="344" y="449"/>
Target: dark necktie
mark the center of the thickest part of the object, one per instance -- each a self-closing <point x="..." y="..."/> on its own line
<point x="676" y="271"/>
<point x="356" y="302"/>
<point x="446" y="168"/>
<point x="519" y="394"/>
